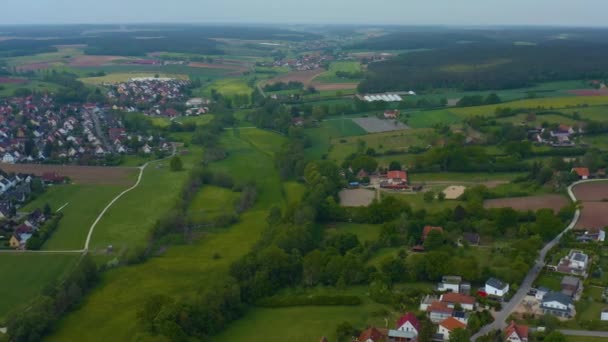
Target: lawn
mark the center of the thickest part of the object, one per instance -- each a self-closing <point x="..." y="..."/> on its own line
<point x="197" y="120"/>
<point x="341" y="66"/>
<point x="211" y="202"/>
<point x="25" y="275"/>
<point x="365" y="232"/>
<point x="293" y="192"/>
<point x="83" y="203"/>
<point x="125" y="76"/>
<point x="127" y="223"/>
<point x="109" y="312"/>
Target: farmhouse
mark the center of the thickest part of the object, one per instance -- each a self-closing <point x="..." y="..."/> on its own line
<point x="557" y="304"/>
<point x="496" y="287"/>
<point x="448" y="326"/>
<point x="395" y="180"/>
<point x="581" y="172"/>
<point x="516" y="333"/>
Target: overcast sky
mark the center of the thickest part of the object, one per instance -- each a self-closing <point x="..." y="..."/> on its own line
<point x="406" y="12"/>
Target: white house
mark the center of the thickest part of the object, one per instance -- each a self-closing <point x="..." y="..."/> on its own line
<point x="541" y="292"/>
<point x="449" y="283"/>
<point x="557" y="304"/>
<point x="496" y="287"/>
<point x="578" y="259"/>
<point x="447" y="326"/>
<point x="604" y="315"/>
<point x="8" y="158"/>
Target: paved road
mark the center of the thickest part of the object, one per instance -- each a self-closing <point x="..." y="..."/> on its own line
<point x="501" y="316"/>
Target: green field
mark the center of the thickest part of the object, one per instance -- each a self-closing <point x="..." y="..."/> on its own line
<point x="203" y="73"/>
<point x="25" y="275"/>
<point x="343" y="66"/>
<point x="322" y="135"/>
<point x="597" y="113"/>
<point x="428" y="119"/>
<point x="228" y="87"/>
<point x="127" y="223"/>
<point x="210" y="202"/>
<point x="61" y="54"/>
<point x="365" y="232"/>
<point x="83" y="203"/>
<point x="198" y="120"/>
<point x="38" y="86"/>
<point x="180" y="270"/>
<point x="539" y="120"/>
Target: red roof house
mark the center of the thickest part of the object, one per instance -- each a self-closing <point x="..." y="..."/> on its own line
<point x="396" y="176"/>
<point x="408" y="320"/>
<point x="116" y="133"/>
<point x="452" y="298"/>
<point x="428" y="229"/>
<point x="581" y="172"/>
<point x="372" y="335"/>
<point x="391" y="114"/>
<point x="516" y="333"/>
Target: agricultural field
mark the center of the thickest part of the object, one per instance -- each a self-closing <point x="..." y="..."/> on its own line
<point x="98" y="175"/>
<point x="593" y="215"/>
<point x="229" y="87"/>
<point x="330" y="75"/>
<point x="554" y="202"/>
<point x="174" y="271"/>
<point x="594" y="191"/>
<point x="538" y="120"/>
<point x="205" y="74"/>
<point x="376" y="125"/>
<point x="596" y="113"/>
<point x="127" y="223"/>
<point x="81" y="204"/>
<point x="365" y="232"/>
<point x="25" y="275"/>
<point x="429" y="119"/>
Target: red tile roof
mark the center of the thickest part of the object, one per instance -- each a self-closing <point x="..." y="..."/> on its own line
<point x="397" y="174"/>
<point x="428" y="229"/>
<point x="520" y="330"/>
<point x="408" y="317"/>
<point x="439" y="307"/>
<point x="371" y="334"/>
<point x="452" y="323"/>
<point x="452" y="297"/>
<point x="581" y="171"/>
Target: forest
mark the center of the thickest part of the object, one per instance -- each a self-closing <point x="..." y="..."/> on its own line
<point x="488" y="66"/>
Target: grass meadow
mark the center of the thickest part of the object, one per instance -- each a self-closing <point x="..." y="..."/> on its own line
<point x="210" y="202"/>
<point x="342" y="66"/>
<point x="25" y="275"/>
<point x="228" y="87"/>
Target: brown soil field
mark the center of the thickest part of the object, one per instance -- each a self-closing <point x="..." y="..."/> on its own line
<point x="356" y="197"/>
<point x="594" y="191"/>
<point x="8" y="80"/>
<point x="218" y="66"/>
<point x="555" y="202"/>
<point x="593" y="215"/>
<point x="98" y="175"/>
<point x="305" y="77"/>
<point x="35" y="66"/>
<point x="87" y="61"/>
<point x="334" y="86"/>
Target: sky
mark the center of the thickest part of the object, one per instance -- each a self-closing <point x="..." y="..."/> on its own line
<point x="400" y="12"/>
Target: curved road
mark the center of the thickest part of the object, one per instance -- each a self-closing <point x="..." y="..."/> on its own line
<point x="501" y="316"/>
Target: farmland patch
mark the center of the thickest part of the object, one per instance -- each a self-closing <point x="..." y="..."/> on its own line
<point x="375" y="125"/>
<point x="98" y="175"/>
<point x="554" y="202"/>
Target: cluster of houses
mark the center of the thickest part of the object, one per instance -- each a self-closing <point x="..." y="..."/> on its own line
<point x="408" y="328"/>
<point x="35" y="129"/>
<point x="125" y="143"/>
<point x="155" y="95"/>
<point x="301" y="63"/>
<point x="22" y="230"/>
<point x="197" y="106"/>
<point x="558" y="137"/>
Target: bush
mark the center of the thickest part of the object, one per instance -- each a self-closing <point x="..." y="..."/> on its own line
<point x="302" y="300"/>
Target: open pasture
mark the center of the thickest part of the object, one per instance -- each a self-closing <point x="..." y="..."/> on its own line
<point x="375" y="125"/>
<point x="554" y="202"/>
<point x="97" y="175"/>
<point x="229" y="87"/>
<point x="211" y="202"/>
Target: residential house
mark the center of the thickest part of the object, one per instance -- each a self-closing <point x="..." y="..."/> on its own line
<point x="496" y="287"/>
<point x="449" y="283"/>
<point x="576" y="262"/>
<point x="395" y="180"/>
<point x="541" y="292"/>
<point x="570" y="285"/>
<point x="371" y="335"/>
<point x="516" y="333"/>
<point x="453" y="299"/>
<point x="604" y="315"/>
<point x="439" y="311"/>
<point x="557" y="304"/>
<point x="581" y="172"/>
<point x="427" y="301"/>
<point x="6" y="209"/>
<point x="407" y="329"/>
<point x="448" y="326"/>
<point x="428" y="229"/>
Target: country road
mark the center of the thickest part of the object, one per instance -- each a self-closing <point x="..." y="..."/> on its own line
<point x="501" y="316"/>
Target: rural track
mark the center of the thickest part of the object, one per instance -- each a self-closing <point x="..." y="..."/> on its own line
<point x="501" y="316"/>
